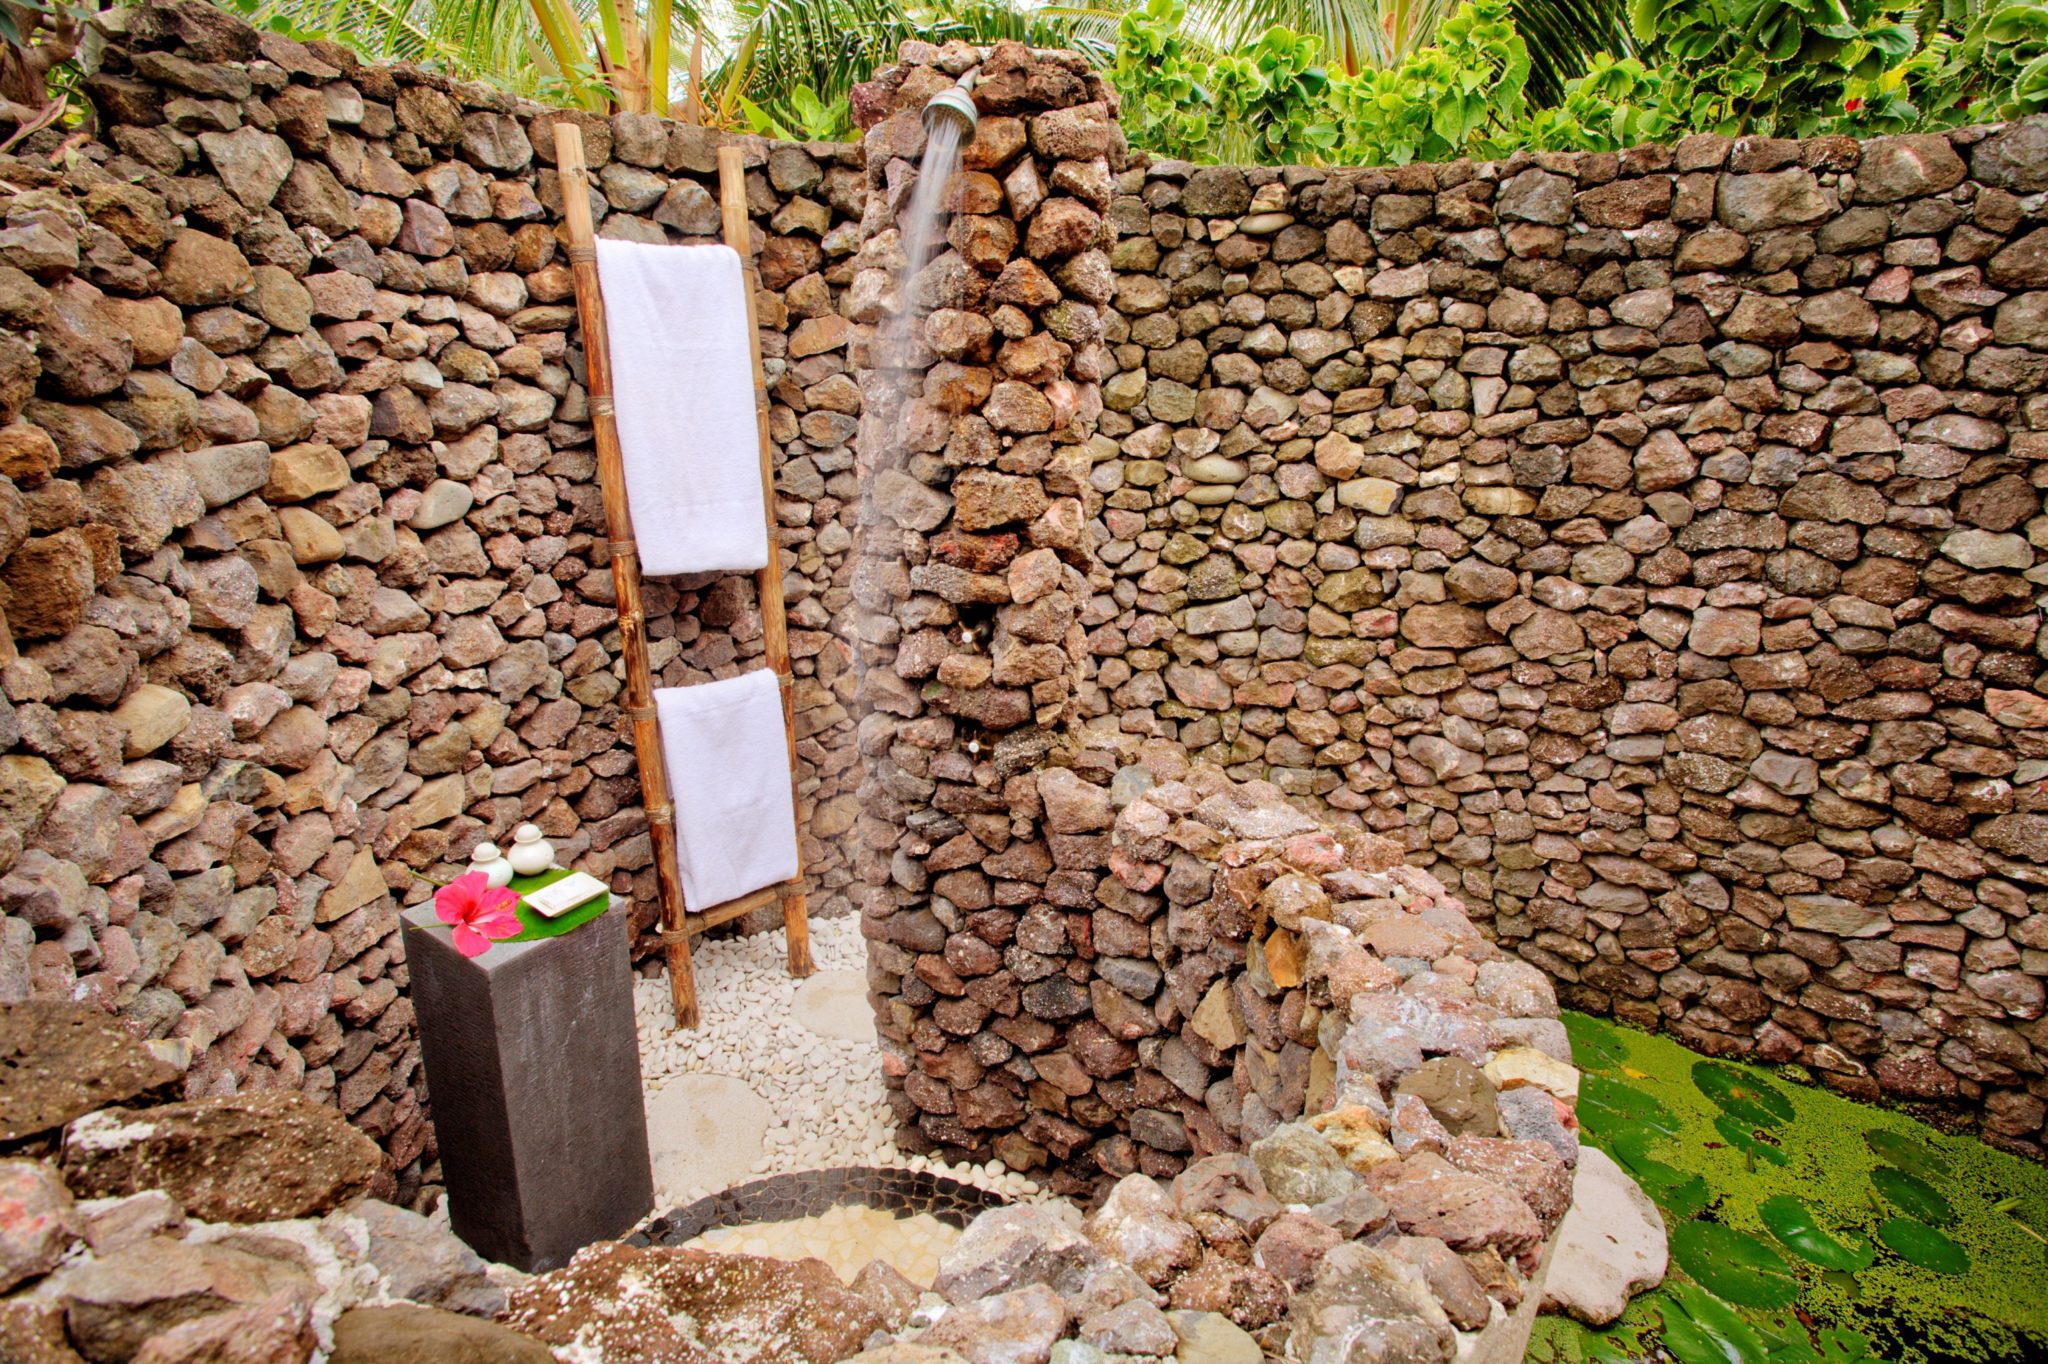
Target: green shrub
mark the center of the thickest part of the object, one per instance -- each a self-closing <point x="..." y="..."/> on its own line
<point x="1789" y="68"/>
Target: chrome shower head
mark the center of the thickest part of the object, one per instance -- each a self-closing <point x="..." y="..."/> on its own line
<point x="954" y="104"/>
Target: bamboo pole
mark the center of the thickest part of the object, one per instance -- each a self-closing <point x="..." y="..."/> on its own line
<point x="625" y="555"/>
<point x="739" y="235"/>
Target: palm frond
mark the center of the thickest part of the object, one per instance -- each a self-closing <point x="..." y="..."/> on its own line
<point x="500" y="41"/>
<point x="1565" y="35"/>
<point x="1354" y="33"/>
<point x="384" y="30"/>
<point x="826" y="45"/>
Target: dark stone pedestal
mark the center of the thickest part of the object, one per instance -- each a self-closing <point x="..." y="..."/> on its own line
<point x="533" y="1070"/>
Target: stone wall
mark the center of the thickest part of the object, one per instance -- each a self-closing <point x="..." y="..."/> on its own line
<point x="974" y="560"/>
<point x="1644" y="541"/>
<point x="1648" y="541"/>
<point x="305" y="581"/>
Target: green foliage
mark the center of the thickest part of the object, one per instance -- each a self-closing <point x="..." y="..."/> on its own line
<point x="1750" y="1139"/>
<point x="1272" y="93"/>
<point x="1775" y="67"/>
<point x="1569" y="39"/>
<point x="1612" y="1108"/>
<point x="1903" y="1149"/>
<point x="1701" y="1329"/>
<point x="780" y="47"/>
<point x="1461" y="97"/>
<point x="804" y="117"/>
<point x="1997" y="70"/>
<point x="1677" y="1193"/>
<point x="1275" y="102"/>
<point x="1742" y="1095"/>
<point x="1617" y="103"/>
<point x="1166" y="108"/>
<point x="1771" y="65"/>
<point x="781" y="66"/>
<point x="1267" y="103"/>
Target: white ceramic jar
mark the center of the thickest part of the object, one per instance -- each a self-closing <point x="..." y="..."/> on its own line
<point x="497" y="869"/>
<point x="531" y="854"/>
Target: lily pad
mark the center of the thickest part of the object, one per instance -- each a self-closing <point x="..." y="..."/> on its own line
<point x="1733" y="1264"/>
<point x="1912" y="1194"/>
<point x="1677" y="1193"/>
<point x="1904" y="1150"/>
<point x="1596" y="1045"/>
<point x="1699" y="1328"/>
<point x="1786" y="1342"/>
<point x="1609" y="1108"/>
<point x="1840" y="1345"/>
<point x="1794" y="1224"/>
<point x="1784" y="1337"/>
<point x="1919" y="1244"/>
<point x="1744" y="1138"/>
<point x="1742" y="1095"/>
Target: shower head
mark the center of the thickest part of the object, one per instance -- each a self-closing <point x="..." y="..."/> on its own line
<point x="954" y="104"/>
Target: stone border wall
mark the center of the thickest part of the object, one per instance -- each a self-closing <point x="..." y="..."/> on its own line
<point x="305" y="581"/>
<point x="1650" y="541"/>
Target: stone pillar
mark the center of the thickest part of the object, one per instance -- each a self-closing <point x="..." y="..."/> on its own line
<point x="535" y="1065"/>
<point x="973" y="567"/>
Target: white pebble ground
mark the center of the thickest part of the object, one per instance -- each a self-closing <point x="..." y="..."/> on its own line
<point x="806" y="1049"/>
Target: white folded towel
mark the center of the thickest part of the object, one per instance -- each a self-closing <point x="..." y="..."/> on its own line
<point x="683" y="387"/>
<point x="728" y="772"/>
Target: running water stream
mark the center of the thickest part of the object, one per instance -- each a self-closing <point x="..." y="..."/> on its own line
<point x="919" y="233"/>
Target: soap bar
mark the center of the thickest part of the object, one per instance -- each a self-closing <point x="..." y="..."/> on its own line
<point x="560" y="897"/>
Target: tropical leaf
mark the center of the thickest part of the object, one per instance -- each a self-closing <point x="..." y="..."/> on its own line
<point x="1794" y="1224"/>
<point x="1733" y="1264"/>
<point x="1839" y="1345"/>
<point x="545" y="48"/>
<point x="1919" y="1244"/>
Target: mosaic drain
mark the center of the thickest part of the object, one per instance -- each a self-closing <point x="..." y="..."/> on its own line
<point x="812" y="1193"/>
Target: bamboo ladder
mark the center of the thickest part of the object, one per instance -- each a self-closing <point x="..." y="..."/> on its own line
<point x="679" y="923"/>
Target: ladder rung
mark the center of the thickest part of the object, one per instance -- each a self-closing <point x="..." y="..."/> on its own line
<point x="694" y="922"/>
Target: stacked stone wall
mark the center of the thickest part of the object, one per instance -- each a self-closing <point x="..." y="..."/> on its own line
<point x="1645" y="542"/>
<point x="1652" y="542"/>
<point x="974" y="562"/>
<point x="306" y="587"/>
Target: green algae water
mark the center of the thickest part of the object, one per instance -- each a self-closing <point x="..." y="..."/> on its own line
<point x="1805" y="1228"/>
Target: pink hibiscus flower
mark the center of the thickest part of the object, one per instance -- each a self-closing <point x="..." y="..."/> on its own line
<point x="480" y="914"/>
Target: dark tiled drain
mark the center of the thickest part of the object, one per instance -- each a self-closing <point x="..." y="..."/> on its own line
<point x="810" y="1193"/>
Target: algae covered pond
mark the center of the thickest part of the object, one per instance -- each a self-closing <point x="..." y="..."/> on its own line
<point x="1805" y="1228"/>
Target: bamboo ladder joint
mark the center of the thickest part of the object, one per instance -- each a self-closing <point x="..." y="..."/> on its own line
<point x="678" y="924"/>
